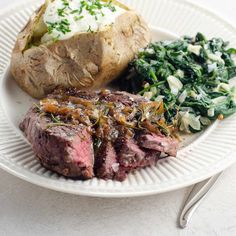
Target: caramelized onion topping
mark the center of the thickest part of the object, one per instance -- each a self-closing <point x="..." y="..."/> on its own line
<point x="105" y="116"/>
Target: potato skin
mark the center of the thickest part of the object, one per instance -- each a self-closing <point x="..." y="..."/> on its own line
<point x="85" y="61"/>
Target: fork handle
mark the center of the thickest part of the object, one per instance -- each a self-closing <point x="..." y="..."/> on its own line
<point x="194" y="199"/>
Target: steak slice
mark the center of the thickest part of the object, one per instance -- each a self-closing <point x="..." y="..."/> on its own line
<point x="67" y="150"/>
<point x="151" y="158"/>
<point x="158" y="143"/>
<point x="106" y="164"/>
<point x="131" y="157"/>
<point x="128" y="152"/>
<point x="128" y="157"/>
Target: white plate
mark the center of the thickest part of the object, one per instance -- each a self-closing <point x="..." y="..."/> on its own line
<point x="203" y="155"/>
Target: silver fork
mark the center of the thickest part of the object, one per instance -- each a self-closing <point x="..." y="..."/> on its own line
<point x="194" y="199"/>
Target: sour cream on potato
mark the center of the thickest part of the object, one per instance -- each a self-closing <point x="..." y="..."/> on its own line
<point x="65" y="18"/>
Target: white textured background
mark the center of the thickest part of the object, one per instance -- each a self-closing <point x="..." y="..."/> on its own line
<point x="26" y="209"/>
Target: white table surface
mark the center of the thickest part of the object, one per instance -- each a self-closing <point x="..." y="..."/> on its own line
<point x="26" y="209"/>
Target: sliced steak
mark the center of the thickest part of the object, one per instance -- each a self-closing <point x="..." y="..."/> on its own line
<point x="64" y="127"/>
<point x="106" y="164"/>
<point x="131" y="157"/>
<point x="128" y="152"/>
<point x="67" y="150"/>
<point x="158" y="143"/>
<point x="151" y="158"/>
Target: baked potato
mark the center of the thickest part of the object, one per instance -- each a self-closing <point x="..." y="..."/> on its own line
<point x="86" y="60"/>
